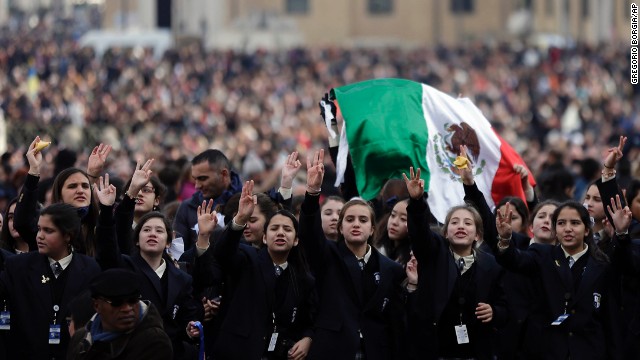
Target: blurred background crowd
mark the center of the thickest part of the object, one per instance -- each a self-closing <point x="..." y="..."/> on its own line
<point x="556" y="106"/>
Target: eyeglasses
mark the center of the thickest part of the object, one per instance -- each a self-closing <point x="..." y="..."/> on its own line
<point x="120" y="302"/>
<point x="148" y="190"/>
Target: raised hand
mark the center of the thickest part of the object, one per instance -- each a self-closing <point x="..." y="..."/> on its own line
<point x="105" y="192"/>
<point x="97" y="159"/>
<point x="289" y="170"/>
<point x="207" y="219"/>
<point x="141" y="177"/>
<point x="465" y="173"/>
<point x="503" y="222"/>
<point x="415" y="185"/>
<point x="621" y="216"/>
<point x="614" y="154"/>
<point x="247" y="203"/>
<point x="484" y="312"/>
<point x="328" y="108"/>
<point x="315" y="172"/>
<point x="34" y="157"/>
<point x="412" y="270"/>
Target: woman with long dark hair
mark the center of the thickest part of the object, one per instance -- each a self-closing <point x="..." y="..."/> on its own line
<point x="39" y="285"/>
<point x="270" y="298"/>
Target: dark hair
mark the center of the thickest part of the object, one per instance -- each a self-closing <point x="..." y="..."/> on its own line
<point x="158" y="188"/>
<point x="553" y="184"/>
<point x="331" y="198"/>
<point x="214" y="157"/>
<point x="519" y="206"/>
<point x="286" y="213"/>
<point x="7" y="241"/>
<point x="351" y="203"/>
<point x="400" y="252"/>
<point x="594" y="250"/>
<point x="65" y="218"/>
<point x="151" y="215"/>
<point x="267" y="206"/>
<point x="90" y="220"/>
<point x="632" y="191"/>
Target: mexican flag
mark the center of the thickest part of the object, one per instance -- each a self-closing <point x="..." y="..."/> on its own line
<point x="392" y="124"/>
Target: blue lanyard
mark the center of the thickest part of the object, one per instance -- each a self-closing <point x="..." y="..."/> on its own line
<point x="198" y="324"/>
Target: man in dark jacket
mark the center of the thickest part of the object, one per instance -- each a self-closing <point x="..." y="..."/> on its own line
<point x="124" y="327"/>
<point x="211" y="171"/>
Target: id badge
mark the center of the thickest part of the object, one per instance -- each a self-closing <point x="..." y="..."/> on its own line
<point x="272" y="342"/>
<point x="5" y="320"/>
<point x="54" y="334"/>
<point x="560" y="319"/>
<point x="461" y="334"/>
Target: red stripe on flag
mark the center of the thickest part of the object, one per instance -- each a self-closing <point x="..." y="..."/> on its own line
<point x="506" y="182"/>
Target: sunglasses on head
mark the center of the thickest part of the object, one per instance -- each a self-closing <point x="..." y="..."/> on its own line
<point x="119" y="302"/>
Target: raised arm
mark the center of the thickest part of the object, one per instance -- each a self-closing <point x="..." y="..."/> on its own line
<point x="312" y="239"/>
<point x="124" y="213"/>
<point x="26" y="213"/>
<point x="422" y="240"/>
<point x="289" y="170"/>
<point x="227" y="245"/>
<point x="107" y="253"/>
<point x="608" y="184"/>
<point x="507" y="254"/>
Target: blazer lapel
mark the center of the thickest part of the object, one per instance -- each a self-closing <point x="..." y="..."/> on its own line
<point x="268" y="274"/>
<point x="562" y="267"/>
<point x="591" y="274"/>
<point x="384" y="275"/>
<point x="149" y="274"/>
<point x="350" y="263"/>
<point x="75" y="278"/>
<point x="41" y="278"/>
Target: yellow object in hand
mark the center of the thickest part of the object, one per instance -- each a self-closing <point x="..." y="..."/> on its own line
<point x="461" y="162"/>
<point x="41" y="145"/>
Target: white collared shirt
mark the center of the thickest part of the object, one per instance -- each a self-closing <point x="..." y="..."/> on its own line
<point x="283" y="266"/>
<point x="468" y="260"/>
<point x="578" y="255"/>
<point x="64" y="262"/>
<point x="161" y="269"/>
<point x="367" y="255"/>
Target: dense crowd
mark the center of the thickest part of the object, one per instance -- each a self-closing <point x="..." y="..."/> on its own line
<point x="278" y="271"/>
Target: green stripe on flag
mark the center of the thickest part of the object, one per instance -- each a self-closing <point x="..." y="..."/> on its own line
<point x="386" y="131"/>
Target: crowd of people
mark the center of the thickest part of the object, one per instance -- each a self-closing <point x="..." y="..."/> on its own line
<point x="195" y="226"/>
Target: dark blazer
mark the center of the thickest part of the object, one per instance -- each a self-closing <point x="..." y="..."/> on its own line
<point x="343" y="312"/>
<point x="4" y="335"/>
<point x="251" y="300"/>
<point x="31" y="302"/>
<point x="591" y="331"/>
<point x="27" y="213"/>
<point x="437" y="274"/>
<point x="179" y="308"/>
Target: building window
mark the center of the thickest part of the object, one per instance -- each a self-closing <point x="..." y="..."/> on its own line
<point x="297" y="6"/>
<point x="461" y="6"/>
<point x="380" y="6"/>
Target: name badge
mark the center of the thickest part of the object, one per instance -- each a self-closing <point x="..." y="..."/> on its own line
<point x="5" y="320"/>
<point x="560" y="319"/>
<point x="54" y="334"/>
<point x="272" y="342"/>
<point x="461" y="334"/>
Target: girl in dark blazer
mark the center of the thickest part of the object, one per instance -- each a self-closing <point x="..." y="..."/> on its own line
<point x="360" y="297"/>
<point x="39" y="290"/>
<point x="460" y="301"/>
<point x="578" y="319"/>
<point x="167" y="287"/>
<point x="270" y="296"/>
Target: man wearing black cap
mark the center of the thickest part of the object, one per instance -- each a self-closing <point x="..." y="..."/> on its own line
<point x="124" y="327"/>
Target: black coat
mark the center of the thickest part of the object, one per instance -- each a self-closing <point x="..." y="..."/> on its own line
<point x="343" y="312"/>
<point x="591" y="331"/>
<point x="4" y="335"/>
<point x="24" y="283"/>
<point x="251" y="300"/>
<point x="437" y="274"/>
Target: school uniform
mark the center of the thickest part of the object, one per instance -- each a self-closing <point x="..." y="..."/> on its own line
<point x="34" y="293"/>
<point x="446" y="294"/>
<point x="259" y="303"/>
<point x="582" y="291"/>
<point x="4" y="306"/>
<point x="171" y="293"/>
<point x="361" y="309"/>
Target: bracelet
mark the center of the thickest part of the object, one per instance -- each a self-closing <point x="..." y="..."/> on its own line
<point x="622" y="233"/>
<point x="129" y="195"/>
<point x="609" y="173"/>
<point x="236" y="226"/>
<point x="92" y="176"/>
<point x="410" y="283"/>
<point x="313" y="191"/>
<point x="605" y="165"/>
<point x="500" y="238"/>
<point x="36" y="175"/>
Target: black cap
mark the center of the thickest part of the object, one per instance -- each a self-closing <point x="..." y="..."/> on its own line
<point x="115" y="284"/>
